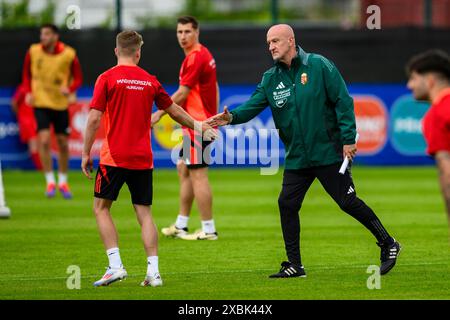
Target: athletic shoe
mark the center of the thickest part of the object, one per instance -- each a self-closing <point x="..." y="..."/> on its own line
<point x="199" y="235"/>
<point x="51" y="190"/>
<point x="111" y="275"/>
<point x="289" y="270"/>
<point x="65" y="191"/>
<point x="154" y="281"/>
<point x="173" y="231"/>
<point x="389" y="255"/>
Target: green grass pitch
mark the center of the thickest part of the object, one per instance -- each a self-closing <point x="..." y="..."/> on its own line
<point x="45" y="236"/>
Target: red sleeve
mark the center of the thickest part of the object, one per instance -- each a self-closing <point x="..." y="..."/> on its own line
<point x="444" y="111"/>
<point x="438" y="141"/>
<point x="26" y="72"/>
<point x="76" y="74"/>
<point x="99" y="98"/>
<point x="162" y="98"/>
<point x="19" y="95"/>
<point x="436" y="132"/>
<point x="191" y="71"/>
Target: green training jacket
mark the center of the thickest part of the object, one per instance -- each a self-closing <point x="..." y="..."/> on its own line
<point x="311" y="107"/>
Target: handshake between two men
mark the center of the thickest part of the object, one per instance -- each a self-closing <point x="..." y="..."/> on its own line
<point x="220" y="119"/>
<point x="224" y="118"/>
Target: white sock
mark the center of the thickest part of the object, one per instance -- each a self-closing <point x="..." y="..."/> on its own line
<point x="114" y="258"/>
<point x="50" y="177"/>
<point x="62" y="178"/>
<point x="208" y="226"/>
<point x="152" y="265"/>
<point x="182" y="222"/>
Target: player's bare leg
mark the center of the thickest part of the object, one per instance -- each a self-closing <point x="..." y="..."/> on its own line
<point x="202" y="192"/>
<point x="44" y="150"/>
<point x="63" y="163"/>
<point x="46" y="161"/>
<point x="63" y="146"/>
<point x="150" y="241"/>
<point x="105" y="223"/>
<point x="108" y="234"/>
<point x="148" y="229"/>
<point x="180" y="227"/>
<point x="203" y="196"/>
<point x="33" y="145"/>
<point x="186" y="190"/>
<point x="443" y="164"/>
<point x="33" y="149"/>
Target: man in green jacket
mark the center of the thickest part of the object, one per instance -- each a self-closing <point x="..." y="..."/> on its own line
<point x="314" y="114"/>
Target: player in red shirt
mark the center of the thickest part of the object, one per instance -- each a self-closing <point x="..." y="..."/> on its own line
<point x="198" y="93"/>
<point x="27" y="124"/>
<point x="429" y="79"/>
<point x="123" y="97"/>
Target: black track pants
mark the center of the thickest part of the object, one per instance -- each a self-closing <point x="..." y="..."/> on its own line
<point x="340" y="187"/>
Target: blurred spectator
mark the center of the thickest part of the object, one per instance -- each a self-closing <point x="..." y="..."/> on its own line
<point x="27" y="124"/>
<point x="51" y="74"/>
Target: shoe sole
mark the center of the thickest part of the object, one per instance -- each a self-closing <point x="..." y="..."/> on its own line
<point x="150" y="285"/>
<point x="393" y="265"/>
<point x="303" y="276"/>
<point x="66" y="195"/>
<point x="200" y="239"/>
<point x="171" y="235"/>
<point x="105" y="284"/>
<point x="191" y="238"/>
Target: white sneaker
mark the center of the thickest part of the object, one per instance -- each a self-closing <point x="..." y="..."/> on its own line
<point x="173" y="231"/>
<point x="199" y="235"/>
<point x="154" y="281"/>
<point x="111" y="275"/>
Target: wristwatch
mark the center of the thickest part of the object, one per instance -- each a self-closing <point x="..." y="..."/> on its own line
<point x="231" y="118"/>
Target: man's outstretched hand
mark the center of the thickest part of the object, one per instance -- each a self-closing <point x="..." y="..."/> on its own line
<point x="220" y="119"/>
<point x="209" y="133"/>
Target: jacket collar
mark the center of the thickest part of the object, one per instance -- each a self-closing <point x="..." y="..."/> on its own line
<point x="301" y="57"/>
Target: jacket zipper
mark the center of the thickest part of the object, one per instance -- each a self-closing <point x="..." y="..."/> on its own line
<point x="299" y="121"/>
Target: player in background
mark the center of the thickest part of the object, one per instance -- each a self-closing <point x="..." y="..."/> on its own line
<point x="429" y="79"/>
<point x="27" y="124"/>
<point x="51" y="73"/>
<point x="123" y="97"/>
<point x="198" y="94"/>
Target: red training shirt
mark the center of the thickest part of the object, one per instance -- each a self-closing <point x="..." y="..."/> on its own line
<point x="126" y="94"/>
<point x="19" y="95"/>
<point x="198" y="72"/>
<point x="436" y="124"/>
<point x="25" y="115"/>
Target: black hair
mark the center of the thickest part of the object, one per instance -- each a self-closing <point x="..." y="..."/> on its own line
<point x="188" y="19"/>
<point x="436" y="61"/>
<point x="51" y="26"/>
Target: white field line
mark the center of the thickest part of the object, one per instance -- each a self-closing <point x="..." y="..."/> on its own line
<point x="350" y="266"/>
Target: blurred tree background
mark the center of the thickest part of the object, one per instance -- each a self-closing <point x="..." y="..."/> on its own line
<point x="142" y="14"/>
<point x="17" y="14"/>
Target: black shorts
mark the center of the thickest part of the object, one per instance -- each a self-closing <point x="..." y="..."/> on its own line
<point x="58" y="118"/>
<point x="196" y="157"/>
<point x="109" y="180"/>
